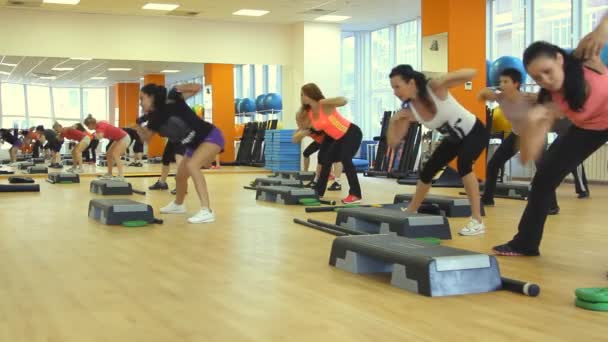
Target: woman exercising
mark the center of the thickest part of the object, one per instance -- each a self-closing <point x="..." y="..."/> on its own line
<point x="579" y="90"/>
<point x="71" y="133"/>
<point x="89" y="153"/>
<point x="313" y="147"/>
<point x="171" y="117"/>
<point x="429" y="102"/>
<point x="120" y="140"/>
<point x="52" y="144"/>
<point x="342" y="137"/>
<point x="12" y="139"/>
<point x="515" y="105"/>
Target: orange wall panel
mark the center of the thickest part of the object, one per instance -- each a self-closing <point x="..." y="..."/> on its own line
<point x="221" y="78"/>
<point x="156" y="145"/>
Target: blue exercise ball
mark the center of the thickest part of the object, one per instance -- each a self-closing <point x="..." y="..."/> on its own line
<point x="237" y="105"/>
<point x="259" y="102"/>
<point x="247" y="106"/>
<point x="503" y="63"/>
<point x="273" y="101"/>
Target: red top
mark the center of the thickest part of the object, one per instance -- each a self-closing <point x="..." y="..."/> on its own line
<point x="73" y="134"/>
<point x="594" y="115"/>
<point x="110" y="132"/>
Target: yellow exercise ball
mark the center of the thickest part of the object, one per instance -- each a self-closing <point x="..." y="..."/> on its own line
<point x="500" y="122"/>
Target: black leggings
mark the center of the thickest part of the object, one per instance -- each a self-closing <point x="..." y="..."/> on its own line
<point x="312" y="148"/>
<point x="171" y="149"/>
<point x="580" y="179"/>
<point x="467" y="150"/>
<point x="92" y="148"/>
<point x="506" y="151"/>
<point x="342" y="150"/>
<point x="565" y="154"/>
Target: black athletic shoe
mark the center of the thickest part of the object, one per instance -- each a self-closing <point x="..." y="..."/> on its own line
<point x="583" y="194"/>
<point x="312" y="184"/>
<point x="553" y="211"/>
<point x="159" y="186"/>
<point x="174" y="192"/>
<point x="506" y="250"/>
<point x="56" y="166"/>
<point x="335" y="187"/>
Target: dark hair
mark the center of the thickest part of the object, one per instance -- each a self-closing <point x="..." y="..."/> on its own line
<point x="40" y="128"/>
<point x="312" y="91"/>
<point x="80" y="127"/>
<point x="406" y="72"/>
<point x="90" y="120"/>
<point x="574" y="87"/>
<point x="158" y="93"/>
<point x="514" y="75"/>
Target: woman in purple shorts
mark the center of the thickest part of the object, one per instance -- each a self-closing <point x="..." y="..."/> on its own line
<point x="171" y="117"/>
<point x="13" y="140"/>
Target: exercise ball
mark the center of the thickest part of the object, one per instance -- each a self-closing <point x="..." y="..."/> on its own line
<point x="488" y="68"/>
<point x="198" y="110"/>
<point x="247" y="106"/>
<point x="259" y="103"/>
<point x="273" y="101"/>
<point x="237" y="105"/>
<point x="503" y="63"/>
<point x="500" y="122"/>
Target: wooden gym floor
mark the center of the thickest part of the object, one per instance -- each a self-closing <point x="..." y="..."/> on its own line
<point x="253" y="275"/>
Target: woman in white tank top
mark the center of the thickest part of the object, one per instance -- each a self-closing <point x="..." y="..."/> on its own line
<point x="429" y="102"/>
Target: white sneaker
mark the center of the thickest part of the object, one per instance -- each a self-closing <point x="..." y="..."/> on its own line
<point x="203" y="216"/>
<point x="474" y="227"/>
<point x="106" y="176"/>
<point x="118" y="178"/>
<point x="72" y="169"/>
<point x="173" y="208"/>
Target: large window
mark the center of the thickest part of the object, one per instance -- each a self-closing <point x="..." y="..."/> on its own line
<point x="258" y="72"/>
<point x="13" y="106"/>
<point x="274" y="79"/>
<point x="348" y="75"/>
<point x="508" y="21"/>
<point x="553" y="21"/>
<point x="382" y="60"/>
<point x="593" y="10"/>
<point x="66" y="103"/>
<point x="407" y="43"/>
<point x="38" y="101"/>
<point x="95" y="102"/>
<point x="246" y="74"/>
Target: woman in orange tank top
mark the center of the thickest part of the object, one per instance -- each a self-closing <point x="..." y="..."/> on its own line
<point x="570" y="87"/>
<point x="342" y="137"/>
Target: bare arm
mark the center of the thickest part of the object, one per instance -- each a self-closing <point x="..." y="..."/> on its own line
<point x="303" y="123"/>
<point x="398" y="127"/>
<point x="189" y="90"/>
<point x="538" y="123"/>
<point x="334" y="102"/>
<point x="487" y="95"/>
<point x="592" y="43"/>
<point x="453" y="79"/>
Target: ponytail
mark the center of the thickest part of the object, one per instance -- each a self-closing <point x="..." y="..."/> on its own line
<point x="90" y="120"/>
<point x="574" y="88"/>
<point x="407" y="73"/>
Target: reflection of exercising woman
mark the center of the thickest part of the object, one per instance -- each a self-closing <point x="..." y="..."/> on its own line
<point x="13" y="140"/>
<point x="342" y="138"/>
<point x="71" y="133"/>
<point x="464" y="136"/>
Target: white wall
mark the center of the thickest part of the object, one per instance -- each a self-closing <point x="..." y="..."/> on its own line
<point x="57" y="34"/>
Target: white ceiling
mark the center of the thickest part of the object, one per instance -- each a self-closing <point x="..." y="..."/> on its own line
<point x="29" y="69"/>
<point x="366" y="14"/>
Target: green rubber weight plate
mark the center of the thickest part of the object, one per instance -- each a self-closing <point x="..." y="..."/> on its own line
<point x="137" y="223"/>
<point x="591" y="306"/>
<point x="431" y="240"/>
<point x="593" y="294"/>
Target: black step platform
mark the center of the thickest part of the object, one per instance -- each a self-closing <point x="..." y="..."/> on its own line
<point x="284" y="194"/>
<point x="63" y="178"/>
<point x="394" y="220"/>
<point x="38" y="169"/>
<point x="297" y="175"/>
<point x="449" y="206"/>
<point x="417" y="266"/>
<point x="267" y="181"/>
<point x="110" y="187"/>
<point x="117" y="211"/>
